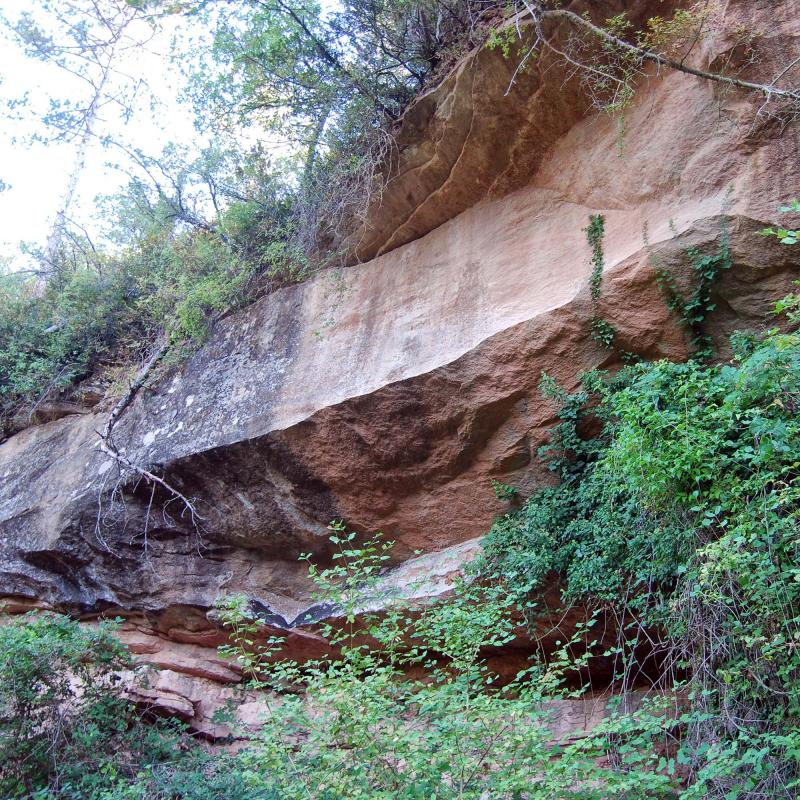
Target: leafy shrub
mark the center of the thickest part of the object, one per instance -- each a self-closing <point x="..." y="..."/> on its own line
<point x="682" y="515"/>
<point x="60" y="701"/>
<point x="785" y="235"/>
<point x="68" y="733"/>
<point x="168" y="272"/>
<point x="359" y="725"/>
<point x="51" y="337"/>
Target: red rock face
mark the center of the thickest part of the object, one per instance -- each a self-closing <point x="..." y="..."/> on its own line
<point x="391" y="393"/>
<point x="449" y="154"/>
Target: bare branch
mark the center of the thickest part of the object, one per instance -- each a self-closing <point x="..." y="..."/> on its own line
<point x="108" y="447"/>
<point x="540" y="14"/>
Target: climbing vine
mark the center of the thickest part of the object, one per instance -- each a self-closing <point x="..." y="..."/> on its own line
<point x="693" y="310"/>
<point x="595" y="231"/>
<point x="603" y="332"/>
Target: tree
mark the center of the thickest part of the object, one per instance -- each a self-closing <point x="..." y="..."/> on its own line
<point x="290" y="63"/>
<point x="330" y="86"/>
<point x="326" y="87"/>
<point x="88" y="42"/>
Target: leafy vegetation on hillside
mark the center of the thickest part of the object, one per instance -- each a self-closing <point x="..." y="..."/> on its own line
<point x="170" y="272"/>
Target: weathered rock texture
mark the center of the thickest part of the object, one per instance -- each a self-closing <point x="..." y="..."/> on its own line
<point x="448" y="154"/>
<point x="389" y="394"/>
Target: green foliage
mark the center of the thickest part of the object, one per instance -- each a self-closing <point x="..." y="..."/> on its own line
<point x="692" y="309"/>
<point x="62" y="718"/>
<point x="785" y="235"/>
<point x="331" y="83"/>
<point x="677" y="34"/>
<point x="595" y="231"/>
<point x="193" y="776"/>
<point x="359" y="724"/>
<point x="502" y="491"/>
<point x="504" y="39"/>
<point x="51" y="340"/>
<point x="68" y="733"/>
<point x="682" y="514"/>
<point x="292" y="64"/>
<point x="695" y="308"/>
<point x="56" y="693"/>
<point x="170" y="268"/>
<point x="603" y="331"/>
<point x="790" y="306"/>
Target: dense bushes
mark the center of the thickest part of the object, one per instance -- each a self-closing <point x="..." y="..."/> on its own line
<point x="52" y="336"/>
<point x="681" y="520"/>
<point x="90" y="319"/>
<point x="409" y="710"/>
<point x="68" y="733"/>
<point x="166" y="271"/>
<point x="354" y="726"/>
<point x="63" y="723"/>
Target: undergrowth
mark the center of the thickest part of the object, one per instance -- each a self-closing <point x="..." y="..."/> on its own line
<point x="680" y="522"/>
<point x="98" y="314"/>
<point x="359" y="724"/>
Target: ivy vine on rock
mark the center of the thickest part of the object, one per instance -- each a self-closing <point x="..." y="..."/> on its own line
<point x="603" y="332"/>
<point x="693" y="309"/>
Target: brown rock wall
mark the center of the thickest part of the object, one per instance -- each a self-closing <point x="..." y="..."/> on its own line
<point x="391" y="393"/>
<point x="486" y="130"/>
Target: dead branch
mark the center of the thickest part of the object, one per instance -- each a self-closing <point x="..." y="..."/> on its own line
<point x="108" y="447"/>
<point x="139" y="380"/>
<point x="540" y="14"/>
<point x="648" y="55"/>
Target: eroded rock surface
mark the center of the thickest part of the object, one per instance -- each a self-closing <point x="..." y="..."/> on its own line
<point x="391" y="393"/>
<point x="482" y="132"/>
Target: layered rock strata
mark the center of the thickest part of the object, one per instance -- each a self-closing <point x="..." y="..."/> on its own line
<point x="390" y="394"/>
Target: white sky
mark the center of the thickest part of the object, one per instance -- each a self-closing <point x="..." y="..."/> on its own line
<point x="38" y="173"/>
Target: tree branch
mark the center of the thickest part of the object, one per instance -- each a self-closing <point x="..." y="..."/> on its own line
<point x="539" y="14"/>
<point x="108" y="447"/>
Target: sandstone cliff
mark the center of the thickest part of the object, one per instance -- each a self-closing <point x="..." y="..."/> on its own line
<point x="389" y="394"/>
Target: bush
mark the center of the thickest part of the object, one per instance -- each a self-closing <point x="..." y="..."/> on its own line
<point x="60" y="701"/>
<point x="359" y="725"/>
<point x="66" y="730"/>
<point x="681" y="520"/>
<point x="52" y="336"/>
<point x="168" y="272"/>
